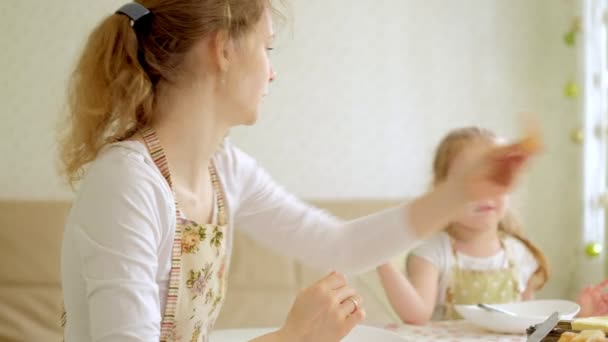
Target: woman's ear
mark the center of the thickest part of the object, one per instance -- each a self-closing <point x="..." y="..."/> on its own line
<point x="222" y="49"/>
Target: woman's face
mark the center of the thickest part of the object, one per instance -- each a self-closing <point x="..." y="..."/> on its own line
<point x="250" y="73"/>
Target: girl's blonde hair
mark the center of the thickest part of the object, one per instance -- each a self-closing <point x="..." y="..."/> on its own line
<point x="448" y="150"/>
<point x="112" y="91"/>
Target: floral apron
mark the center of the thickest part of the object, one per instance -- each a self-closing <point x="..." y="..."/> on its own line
<point x="197" y="282"/>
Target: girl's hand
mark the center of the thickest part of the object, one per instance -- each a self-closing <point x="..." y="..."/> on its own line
<point x="594" y="300"/>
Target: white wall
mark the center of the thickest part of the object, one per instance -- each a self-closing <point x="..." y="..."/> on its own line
<point x="365" y="90"/>
<point x="364" y="93"/>
<point x="41" y="41"/>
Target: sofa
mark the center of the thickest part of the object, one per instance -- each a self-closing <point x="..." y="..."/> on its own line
<point x="30" y="287"/>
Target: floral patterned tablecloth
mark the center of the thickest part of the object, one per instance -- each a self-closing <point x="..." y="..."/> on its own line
<point x="452" y="331"/>
<point x="449" y="331"/>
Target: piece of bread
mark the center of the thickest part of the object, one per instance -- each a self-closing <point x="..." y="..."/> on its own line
<point x="532" y="141"/>
<point x="590" y="336"/>
<point x="583" y="336"/>
<point x="567" y="337"/>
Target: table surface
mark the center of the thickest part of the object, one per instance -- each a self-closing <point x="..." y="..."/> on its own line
<point x="453" y="331"/>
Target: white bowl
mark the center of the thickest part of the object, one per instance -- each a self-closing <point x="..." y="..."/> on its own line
<point x="360" y="333"/>
<point x="528" y="313"/>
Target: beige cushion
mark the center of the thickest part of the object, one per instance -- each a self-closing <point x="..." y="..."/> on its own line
<point x="30" y="289"/>
<point x="261" y="285"/>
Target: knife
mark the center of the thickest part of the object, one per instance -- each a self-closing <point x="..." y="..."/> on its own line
<point x="543" y="329"/>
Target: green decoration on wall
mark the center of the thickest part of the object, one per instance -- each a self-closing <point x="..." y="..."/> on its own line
<point x="571" y="35"/>
<point x="594" y="249"/>
<point x="571" y="90"/>
<point x="570" y="38"/>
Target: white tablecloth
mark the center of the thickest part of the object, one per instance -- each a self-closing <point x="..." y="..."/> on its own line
<point x="452" y="331"/>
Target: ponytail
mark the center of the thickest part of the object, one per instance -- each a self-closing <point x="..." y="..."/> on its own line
<point x="110" y="95"/>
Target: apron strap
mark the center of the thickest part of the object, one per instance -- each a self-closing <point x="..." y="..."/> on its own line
<point x="160" y="160"/>
<point x="509" y="254"/>
<point x="449" y="296"/>
<point x="157" y="153"/>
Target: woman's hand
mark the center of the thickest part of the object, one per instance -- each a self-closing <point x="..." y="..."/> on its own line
<point x="493" y="174"/>
<point x="496" y="173"/>
<point x="326" y="311"/>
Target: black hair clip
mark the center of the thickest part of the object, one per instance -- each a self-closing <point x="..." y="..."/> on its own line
<point x="134" y="11"/>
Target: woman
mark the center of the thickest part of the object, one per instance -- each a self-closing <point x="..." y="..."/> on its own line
<point x="148" y="240"/>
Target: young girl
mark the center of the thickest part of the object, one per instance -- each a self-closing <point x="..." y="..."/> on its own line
<point x="481" y="257"/>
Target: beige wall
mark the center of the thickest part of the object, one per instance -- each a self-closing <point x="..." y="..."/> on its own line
<point x="365" y="89"/>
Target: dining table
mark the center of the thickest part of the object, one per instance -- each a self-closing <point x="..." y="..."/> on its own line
<point x="452" y="331"/>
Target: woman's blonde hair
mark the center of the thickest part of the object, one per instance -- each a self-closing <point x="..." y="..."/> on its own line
<point x="112" y="89"/>
<point x="448" y="150"/>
